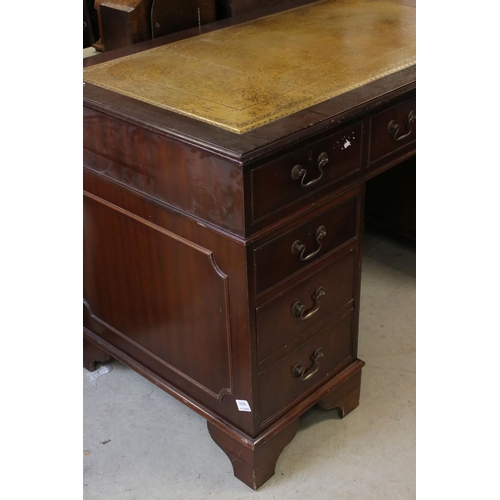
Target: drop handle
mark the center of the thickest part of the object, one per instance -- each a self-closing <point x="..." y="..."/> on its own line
<point x="299" y="309"/>
<point x="299" y="172"/>
<point x="306" y="374"/>
<point x="299" y="247"/>
<point x="393" y="127"/>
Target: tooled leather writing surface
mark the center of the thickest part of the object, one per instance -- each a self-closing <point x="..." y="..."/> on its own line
<point x="247" y="75"/>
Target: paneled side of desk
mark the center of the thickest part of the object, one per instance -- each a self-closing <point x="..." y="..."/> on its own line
<point x="167" y="296"/>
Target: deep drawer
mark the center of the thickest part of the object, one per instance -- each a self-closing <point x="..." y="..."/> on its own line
<point x="306" y="365"/>
<point x="392" y="129"/>
<point x="305" y="244"/>
<point x="304" y="305"/>
<point x="305" y="171"/>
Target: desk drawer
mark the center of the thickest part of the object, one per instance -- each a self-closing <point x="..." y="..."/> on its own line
<point x="393" y="129"/>
<point x="306" y="365"/>
<point x="300" y="308"/>
<point x="302" y="172"/>
<point x="305" y="244"/>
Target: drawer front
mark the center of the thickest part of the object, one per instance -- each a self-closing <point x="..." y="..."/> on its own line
<point x="393" y="129"/>
<point x="300" y="173"/>
<point x="305" y="244"/>
<point x="306" y="365"/>
<point x="304" y="305"/>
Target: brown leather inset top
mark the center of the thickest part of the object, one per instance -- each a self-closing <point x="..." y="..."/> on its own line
<point x="241" y="77"/>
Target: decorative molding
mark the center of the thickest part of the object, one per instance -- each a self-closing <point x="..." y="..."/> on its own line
<point x="220" y="274"/>
<point x="137" y="346"/>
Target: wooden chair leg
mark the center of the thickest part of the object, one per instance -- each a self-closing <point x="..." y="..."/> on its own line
<point x="92" y="355"/>
<point x="254" y="460"/>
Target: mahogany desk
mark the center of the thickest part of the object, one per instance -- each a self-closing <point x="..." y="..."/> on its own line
<point x="224" y="181"/>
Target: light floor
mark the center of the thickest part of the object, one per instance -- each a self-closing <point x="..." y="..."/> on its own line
<point x="89" y="51"/>
<point x="141" y="443"/>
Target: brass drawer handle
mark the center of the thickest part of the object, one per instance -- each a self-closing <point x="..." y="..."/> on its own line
<point x="300" y="371"/>
<point x="300" y="173"/>
<point x="298" y="309"/>
<point x="393" y="127"/>
<point x="298" y="246"/>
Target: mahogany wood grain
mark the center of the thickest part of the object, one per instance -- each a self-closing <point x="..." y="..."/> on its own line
<point x="335" y="342"/>
<point x="276" y="323"/>
<point x="273" y="186"/>
<point x="275" y="260"/>
<point x="344" y="397"/>
<point x="382" y="142"/>
<point x="190" y="179"/>
<point x="254" y="461"/>
<point x="161" y="306"/>
<point x="350" y="368"/>
<point x="150" y="293"/>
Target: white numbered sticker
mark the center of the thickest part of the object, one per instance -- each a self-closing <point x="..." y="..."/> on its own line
<point x="243" y="405"/>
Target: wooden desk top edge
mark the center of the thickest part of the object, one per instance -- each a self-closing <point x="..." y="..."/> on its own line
<point x="249" y="146"/>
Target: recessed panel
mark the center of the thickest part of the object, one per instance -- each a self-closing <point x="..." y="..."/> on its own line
<point x="161" y="292"/>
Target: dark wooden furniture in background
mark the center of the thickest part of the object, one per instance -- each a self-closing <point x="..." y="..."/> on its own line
<point x="90" y="28"/>
<point x="126" y="22"/>
<point x="225" y="268"/>
<point x="169" y="16"/>
<point x="122" y="23"/>
<point x="391" y="199"/>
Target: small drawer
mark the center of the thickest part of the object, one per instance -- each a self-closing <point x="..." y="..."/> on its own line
<point x="305" y="244"/>
<point x="302" y="172"/>
<point x="304" y="305"/>
<point x="392" y="129"/>
<point x="306" y="365"/>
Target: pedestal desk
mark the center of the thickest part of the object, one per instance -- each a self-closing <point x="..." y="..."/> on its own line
<point x="224" y="181"/>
